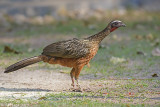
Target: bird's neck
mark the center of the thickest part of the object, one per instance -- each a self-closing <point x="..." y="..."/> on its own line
<point x="97" y="38"/>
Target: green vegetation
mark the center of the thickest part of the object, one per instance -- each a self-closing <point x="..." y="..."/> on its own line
<point x="75" y="99"/>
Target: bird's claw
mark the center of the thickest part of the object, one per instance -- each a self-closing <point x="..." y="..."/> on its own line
<point x="72" y="85"/>
<point x="78" y="89"/>
<point x="78" y="86"/>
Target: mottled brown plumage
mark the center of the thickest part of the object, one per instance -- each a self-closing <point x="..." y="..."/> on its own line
<point x="74" y="53"/>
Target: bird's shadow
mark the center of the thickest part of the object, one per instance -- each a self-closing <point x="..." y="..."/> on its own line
<point x="23" y="89"/>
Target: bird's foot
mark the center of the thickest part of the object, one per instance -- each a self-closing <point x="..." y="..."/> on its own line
<point x="72" y="85"/>
<point x="78" y="86"/>
<point x="77" y="89"/>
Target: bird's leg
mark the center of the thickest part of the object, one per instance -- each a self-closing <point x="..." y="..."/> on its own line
<point x="72" y="74"/>
<point x="78" y="83"/>
<point x="77" y="72"/>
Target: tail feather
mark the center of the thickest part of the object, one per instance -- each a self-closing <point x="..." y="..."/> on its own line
<point x="23" y="63"/>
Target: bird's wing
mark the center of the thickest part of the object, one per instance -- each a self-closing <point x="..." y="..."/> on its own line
<point x="73" y="48"/>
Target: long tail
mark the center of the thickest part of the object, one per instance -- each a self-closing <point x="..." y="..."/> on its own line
<point x="23" y="63"/>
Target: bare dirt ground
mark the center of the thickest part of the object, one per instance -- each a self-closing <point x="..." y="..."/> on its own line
<point x="27" y="84"/>
<point x="33" y="84"/>
<point x="38" y="81"/>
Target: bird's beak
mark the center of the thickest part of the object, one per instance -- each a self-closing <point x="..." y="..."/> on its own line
<point x="123" y="25"/>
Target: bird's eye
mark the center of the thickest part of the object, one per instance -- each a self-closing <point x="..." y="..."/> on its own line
<point x="116" y="23"/>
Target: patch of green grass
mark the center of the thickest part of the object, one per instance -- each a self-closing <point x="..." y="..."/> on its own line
<point x="66" y="100"/>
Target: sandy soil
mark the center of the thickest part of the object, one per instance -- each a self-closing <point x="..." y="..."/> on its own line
<point x="38" y="80"/>
<point x="26" y="84"/>
<point x="33" y="84"/>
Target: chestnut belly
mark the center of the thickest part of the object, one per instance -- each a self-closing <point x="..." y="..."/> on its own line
<point x="70" y="62"/>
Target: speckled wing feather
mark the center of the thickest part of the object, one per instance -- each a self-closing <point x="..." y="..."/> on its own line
<point x="73" y="48"/>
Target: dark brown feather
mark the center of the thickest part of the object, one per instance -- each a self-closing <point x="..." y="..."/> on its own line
<point x="73" y="48"/>
<point x="23" y="63"/>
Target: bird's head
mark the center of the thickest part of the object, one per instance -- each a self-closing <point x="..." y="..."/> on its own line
<point x="113" y="25"/>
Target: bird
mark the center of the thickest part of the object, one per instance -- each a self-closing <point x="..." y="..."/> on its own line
<point x="74" y="53"/>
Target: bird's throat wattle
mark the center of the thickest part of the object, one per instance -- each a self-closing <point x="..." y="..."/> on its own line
<point x="112" y="29"/>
